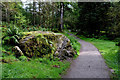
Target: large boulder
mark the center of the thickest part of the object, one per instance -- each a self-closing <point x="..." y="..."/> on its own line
<point x="49" y="44"/>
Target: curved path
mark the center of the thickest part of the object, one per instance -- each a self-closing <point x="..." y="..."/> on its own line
<point x="89" y="63"/>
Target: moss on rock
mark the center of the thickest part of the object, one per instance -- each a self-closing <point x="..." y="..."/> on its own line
<point x="46" y="44"/>
<point x="36" y="46"/>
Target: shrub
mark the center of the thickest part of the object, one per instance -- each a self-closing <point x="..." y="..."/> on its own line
<point x="118" y="44"/>
<point x="103" y="37"/>
<point x="23" y="58"/>
<point x="116" y="39"/>
<point x="10" y="58"/>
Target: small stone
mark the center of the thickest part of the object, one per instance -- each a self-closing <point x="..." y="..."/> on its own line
<point x="112" y="70"/>
<point x="18" y="51"/>
<point x="56" y="66"/>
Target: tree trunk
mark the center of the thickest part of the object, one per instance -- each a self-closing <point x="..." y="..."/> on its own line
<point x="53" y="15"/>
<point x="6" y="14"/>
<point x="34" y="11"/>
<point x="61" y="10"/>
<point x="39" y="13"/>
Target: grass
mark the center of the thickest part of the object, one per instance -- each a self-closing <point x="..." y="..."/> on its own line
<point x="109" y="51"/>
<point x="34" y="69"/>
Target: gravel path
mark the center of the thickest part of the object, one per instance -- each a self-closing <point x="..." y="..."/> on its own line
<point x="89" y="64"/>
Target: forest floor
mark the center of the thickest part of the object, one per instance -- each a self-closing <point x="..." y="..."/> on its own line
<point x="89" y="64"/>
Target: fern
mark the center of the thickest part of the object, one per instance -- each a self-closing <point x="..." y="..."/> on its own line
<point x="12" y="35"/>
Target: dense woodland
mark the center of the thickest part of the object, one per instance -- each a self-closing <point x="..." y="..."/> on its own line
<point x="89" y="19"/>
<point x="98" y="22"/>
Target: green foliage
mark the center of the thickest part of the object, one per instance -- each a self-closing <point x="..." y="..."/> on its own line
<point x="21" y="20"/>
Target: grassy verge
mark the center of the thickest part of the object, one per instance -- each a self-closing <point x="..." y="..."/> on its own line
<point x="109" y="51"/>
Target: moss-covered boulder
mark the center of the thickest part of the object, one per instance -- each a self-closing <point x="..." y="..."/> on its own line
<point x="49" y="44"/>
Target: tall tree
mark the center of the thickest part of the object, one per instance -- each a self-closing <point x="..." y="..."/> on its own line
<point x="113" y="28"/>
<point x="92" y="17"/>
